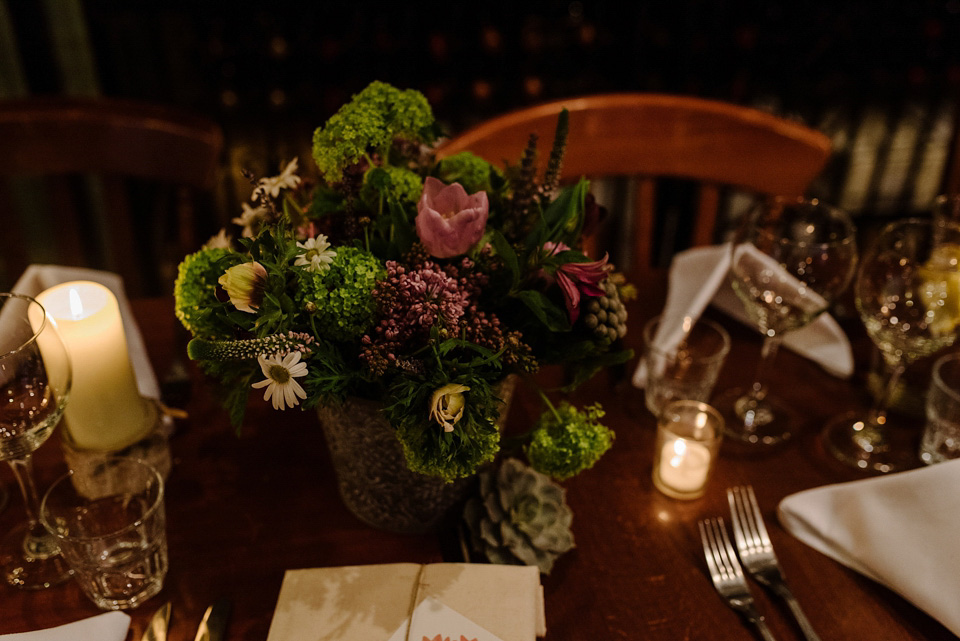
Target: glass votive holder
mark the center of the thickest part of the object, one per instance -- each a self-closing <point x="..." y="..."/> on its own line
<point x="683" y="366"/>
<point x="115" y="538"/>
<point x="688" y="443"/>
<point x="941" y="435"/>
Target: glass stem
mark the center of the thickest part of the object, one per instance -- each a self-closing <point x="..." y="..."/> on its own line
<point x="37" y="543"/>
<point x="771" y="345"/>
<point x="873" y="432"/>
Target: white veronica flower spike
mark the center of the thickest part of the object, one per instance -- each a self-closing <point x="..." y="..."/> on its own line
<point x="317" y="255"/>
<point x="280" y="372"/>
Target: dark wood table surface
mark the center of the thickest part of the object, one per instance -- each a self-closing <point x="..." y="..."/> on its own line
<point x="242" y="509"/>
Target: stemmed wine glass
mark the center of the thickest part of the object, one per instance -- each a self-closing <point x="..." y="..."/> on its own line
<point x="908" y="295"/>
<point x="791" y="258"/>
<point x="35" y="381"/>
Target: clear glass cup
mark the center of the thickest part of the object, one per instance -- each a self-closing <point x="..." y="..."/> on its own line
<point x="35" y="380"/>
<point x="689" y="434"/>
<point x="112" y="535"/>
<point x="907" y="293"/>
<point x="790" y="259"/>
<point x="941" y="435"/>
<point x="682" y="362"/>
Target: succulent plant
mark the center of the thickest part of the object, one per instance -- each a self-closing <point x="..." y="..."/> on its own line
<point x="519" y="518"/>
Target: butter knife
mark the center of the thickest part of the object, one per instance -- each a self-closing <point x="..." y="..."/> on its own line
<point x="213" y="626"/>
<point x="159" y="624"/>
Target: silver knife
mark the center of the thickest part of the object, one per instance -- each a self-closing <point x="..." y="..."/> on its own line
<point x="159" y="624"/>
<point x="213" y="626"/>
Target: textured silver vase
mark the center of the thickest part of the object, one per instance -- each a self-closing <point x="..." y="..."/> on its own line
<point x="372" y="473"/>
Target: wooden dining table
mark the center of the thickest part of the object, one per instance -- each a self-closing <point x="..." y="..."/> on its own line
<point x="245" y="506"/>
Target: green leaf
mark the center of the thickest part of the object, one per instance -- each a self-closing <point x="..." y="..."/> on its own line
<point x="543" y="308"/>
<point x="565" y="214"/>
<point x="507" y="255"/>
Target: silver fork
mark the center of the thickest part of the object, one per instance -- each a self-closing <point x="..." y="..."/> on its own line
<point x="756" y="552"/>
<point x="727" y="576"/>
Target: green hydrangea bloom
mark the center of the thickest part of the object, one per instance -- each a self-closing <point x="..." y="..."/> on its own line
<point x="370" y="122"/>
<point x="341" y="294"/>
<point x="405" y="186"/>
<point x="566" y="443"/>
<point x="470" y="171"/>
<point x="195" y="291"/>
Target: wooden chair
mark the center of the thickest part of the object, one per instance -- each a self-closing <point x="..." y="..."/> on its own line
<point x="651" y="136"/>
<point x="103" y="183"/>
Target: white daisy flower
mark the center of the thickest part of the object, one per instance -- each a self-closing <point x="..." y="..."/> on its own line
<point x="219" y="241"/>
<point x="281" y="388"/>
<point x="287" y="179"/>
<point x="251" y="216"/>
<point x="317" y="255"/>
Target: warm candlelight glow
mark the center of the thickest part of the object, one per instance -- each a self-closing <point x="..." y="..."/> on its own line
<point x="105" y="411"/>
<point x="688" y="438"/>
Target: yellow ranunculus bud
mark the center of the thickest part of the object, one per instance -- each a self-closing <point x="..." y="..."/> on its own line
<point x="446" y="405"/>
<point x="244" y="284"/>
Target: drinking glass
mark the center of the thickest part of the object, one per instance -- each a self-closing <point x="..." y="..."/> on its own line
<point x="113" y="533"/>
<point x="791" y="258"/>
<point x="34" y="384"/>
<point x="941" y="435"/>
<point x="908" y="295"/>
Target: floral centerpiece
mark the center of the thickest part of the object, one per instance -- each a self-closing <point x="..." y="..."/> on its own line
<point x="418" y="282"/>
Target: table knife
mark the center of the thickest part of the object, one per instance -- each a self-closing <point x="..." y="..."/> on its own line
<point x="159" y="624"/>
<point x="214" y="623"/>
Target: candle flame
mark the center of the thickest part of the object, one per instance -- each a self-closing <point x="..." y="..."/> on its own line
<point x="701" y="420"/>
<point x="76" y="305"/>
<point x="679" y="450"/>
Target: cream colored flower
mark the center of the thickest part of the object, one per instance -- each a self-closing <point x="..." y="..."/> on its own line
<point x="317" y="255"/>
<point x="446" y="405"/>
<point x="287" y="179"/>
<point x="244" y="284"/>
<point x="281" y="388"/>
<point x="250" y="218"/>
<point x="219" y="241"/>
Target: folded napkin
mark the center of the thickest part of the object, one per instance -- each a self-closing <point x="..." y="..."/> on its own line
<point x="110" y="626"/>
<point x="900" y="530"/>
<point x="698" y="277"/>
<point x="37" y="278"/>
<point x="401" y="601"/>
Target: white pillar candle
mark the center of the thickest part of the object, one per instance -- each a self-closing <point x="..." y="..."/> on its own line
<point x="684" y="465"/>
<point x="105" y="410"/>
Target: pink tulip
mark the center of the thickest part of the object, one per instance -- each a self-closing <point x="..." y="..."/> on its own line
<point x="576" y="279"/>
<point x="450" y="222"/>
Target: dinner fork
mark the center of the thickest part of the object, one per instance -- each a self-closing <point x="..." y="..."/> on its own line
<point x="756" y="552"/>
<point x="727" y="576"/>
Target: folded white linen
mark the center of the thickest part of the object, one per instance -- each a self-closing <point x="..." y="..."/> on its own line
<point x="109" y="626"/>
<point x="37" y="278"/>
<point x="900" y="530"/>
<point x="698" y="277"/>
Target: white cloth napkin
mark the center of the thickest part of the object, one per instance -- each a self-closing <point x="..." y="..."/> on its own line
<point x="698" y="277"/>
<point x="901" y="530"/>
<point x="110" y="626"/>
<point x="37" y="278"/>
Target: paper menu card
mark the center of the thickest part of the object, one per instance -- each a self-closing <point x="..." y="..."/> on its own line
<point x="375" y="602"/>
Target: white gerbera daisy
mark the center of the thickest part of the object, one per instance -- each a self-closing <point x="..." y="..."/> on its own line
<point x="317" y="255"/>
<point x="281" y="388"/>
<point x="287" y="179"/>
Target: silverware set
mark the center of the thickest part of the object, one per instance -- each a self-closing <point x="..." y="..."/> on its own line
<point x="212" y="626"/>
<point x="754" y="550"/>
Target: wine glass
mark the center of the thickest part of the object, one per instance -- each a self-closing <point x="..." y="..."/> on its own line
<point x="35" y="381"/>
<point x="908" y="295"/>
<point x="790" y="259"/>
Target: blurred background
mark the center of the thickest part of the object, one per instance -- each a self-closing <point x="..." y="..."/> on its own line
<point x="880" y="77"/>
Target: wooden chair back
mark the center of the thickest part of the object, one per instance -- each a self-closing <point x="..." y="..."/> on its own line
<point x="104" y="183"/>
<point x="651" y="136"/>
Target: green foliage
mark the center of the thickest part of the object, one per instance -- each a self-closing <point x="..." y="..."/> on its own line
<point x="567" y="441"/>
<point x="397" y="183"/>
<point x="471" y="171"/>
<point x="430" y="450"/>
<point x="340" y="295"/>
<point x="369" y="124"/>
<point x="195" y="291"/>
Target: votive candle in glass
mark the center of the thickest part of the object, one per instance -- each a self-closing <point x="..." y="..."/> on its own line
<point x="688" y="443"/>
